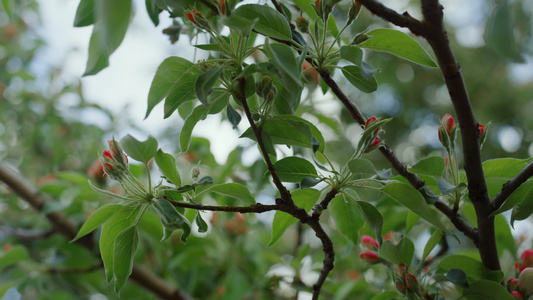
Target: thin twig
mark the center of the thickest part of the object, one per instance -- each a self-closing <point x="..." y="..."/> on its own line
<point x="139" y="274"/>
<point x="255" y="208"/>
<point x="512" y="185"/>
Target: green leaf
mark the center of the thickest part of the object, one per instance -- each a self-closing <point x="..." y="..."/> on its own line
<point x="239" y="24"/>
<point x="7" y="7"/>
<point x="373" y="218"/>
<point x="524" y="209"/>
<point x="199" y="113"/>
<point x="487" y="290"/>
<point x="500" y="35"/>
<point x="286" y="131"/>
<point x="113" y="18"/>
<point x="294" y="169"/>
<point x="304" y="198"/>
<point x="431" y="243"/>
<point x="504" y="167"/>
<point x="97" y="218"/>
<point x="474" y="269"/>
<point x="399" y="44"/>
<point x="174" y="80"/>
<point x="233" y="190"/>
<point x="283" y="57"/>
<point x="347" y="216"/>
<point x="398" y="254"/>
<point x="118" y="222"/>
<point x="153" y="11"/>
<point x="269" y="22"/>
<point x="205" y="82"/>
<point x="98" y="56"/>
<point x="84" y="14"/>
<point x="16" y="254"/>
<point x="445" y="187"/>
<point x="355" y="77"/>
<point x="167" y="166"/>
<point x="315" y="133"/>
<point x="458" y="277"/>
<point x="409" y="197"/>
<point x="140" y="151"/>
<point x="432" y="166"/>
<point x="233" y="116"/>
<point x="523" y="192"/>
<point x="123" y="254"/>
<point x="352" y="54"/>
<point x="202" y="225"/>
<point x="171" y="219"/>
<point x="361" y="168"/>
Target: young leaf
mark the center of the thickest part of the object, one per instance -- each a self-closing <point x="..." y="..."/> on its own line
<point x="97" y="218"/>
<point x="285" y="131"/>
<point x="233" y="116"/>
<point x="294" y="169"/>
<point x="355" y="77"/>
<point x="413" y="200"/>
<point x="174" y="80"/>
<point x="473" y="268"/>
<point x="523" y="192"/>
<point x="431" y="243"/>
<point x="233" y="190"/>
<point x="304" y="198"/>
<point x="171" y="218"/>
<point x="123" y="254"/>
<point x="347" y="217"/>
<point x="98" y="58"/>
<point x="153" y="10"/>
<point x="432" y="166"/>
<point x="504" y="167"/>
<point x="167" y="166"/>
<point x="202" y="225"/>
<point x="361" y="168"/>
<point x="84" y="14"/>
<point x="500" y="35"/>
<point x="399" y="44"/>
<point x="458" y="277"/>
<point x="122" y="219"/>
<point x="373" y="218"/>
<point x="199" y="113"/>
<point x="205" y="82"/>
<point x="140" y="151"/>
<point x="269" y="22"/>
<point x="523" y="210"/>
<point x="445" y="187"/>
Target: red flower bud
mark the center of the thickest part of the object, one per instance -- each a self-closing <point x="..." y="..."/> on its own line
<point x="526" y="258"/>
<point x="310" y="73"/>
<point x="369" y="257"/>
<point x="375" y="143"/>
<point x="369" y="243"/>
<point x="370" y="121"/>
<point x="400" y="287"/>
<point x="402" y="270"/>
<point x="482" y="131"/>
<point x="190" y="16"/>
<point x="517" y="295"/>
<point x="411" y="282"/>
<point x="512" y="283"/>
<point x="223" y="7"/>
<point x="449" y="124"/>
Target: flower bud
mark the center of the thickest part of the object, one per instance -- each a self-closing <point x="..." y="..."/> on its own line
<point x="400" y="287"/>
<point x="355" y="8"/>
<point x="318" y="8"/>
<point x="302" y="24"/>
<point x="358" y="39"/>
<point x="118" y="155"/>
<point x="449" y="124"/>
<point x="310" y="73"/>
<point x="512" y="283"/>
<point x="526" y="258"/>
<point x="369" y="123"/>
<point x="198" y="19"/>
<point x="369" y="243"/>
<point x="525" y="286"/>
<point x="369" y="257"/>
<point x="411" y="282"/>
<point x="444" y="138"/>
<point x="402" y="270"/>
<point x="223" y="7"/>
<point x="517" y="295"/>
<point x="375" y="143"/>
<point x="111" y="168"/>
<point x="96" y="170"/>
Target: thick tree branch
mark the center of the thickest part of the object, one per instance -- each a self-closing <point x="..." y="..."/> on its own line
<point x="28" y="193"/>
<point x="510" y="186"/>
<point x="477" y="187"/>
<point x="402" y="20"/>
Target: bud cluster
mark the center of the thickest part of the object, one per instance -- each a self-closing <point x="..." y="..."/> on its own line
<point x="369" y="243"/>
<point x="302" y="24"/>
<point x="114" y="161"/>
<point x="198" y="20"/>
<point x="447" y="132"/>
<point x="522" y="288"/>
<point x="370" y="141"/>
<point x="266" y="89"/>
<point x="406" y="283"/>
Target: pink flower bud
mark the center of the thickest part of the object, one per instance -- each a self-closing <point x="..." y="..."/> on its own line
<point x="525" y="286"/>
<point x="190" y="16"/>
<point x="375" y="143"/>
<point x="512" y="283"/>
<point x="449" y="124"/>
<point x="369" y="243"/>
<point x="526" y="258"/>
<point x="482" y="131"/>
<point x="369" y="257"/>
<point x="517" y="295"/>
<point x="370" y="121"/>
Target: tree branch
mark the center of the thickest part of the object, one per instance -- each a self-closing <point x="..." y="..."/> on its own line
<point x="26" y="234"/>
<point x="28" y="193"/>
<point x="512" y="185"/>
<point x="255" y="208"/>
<point x="329" y="255"/>
<point x="402" y="20"/>
<point x="477" y="186"/>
